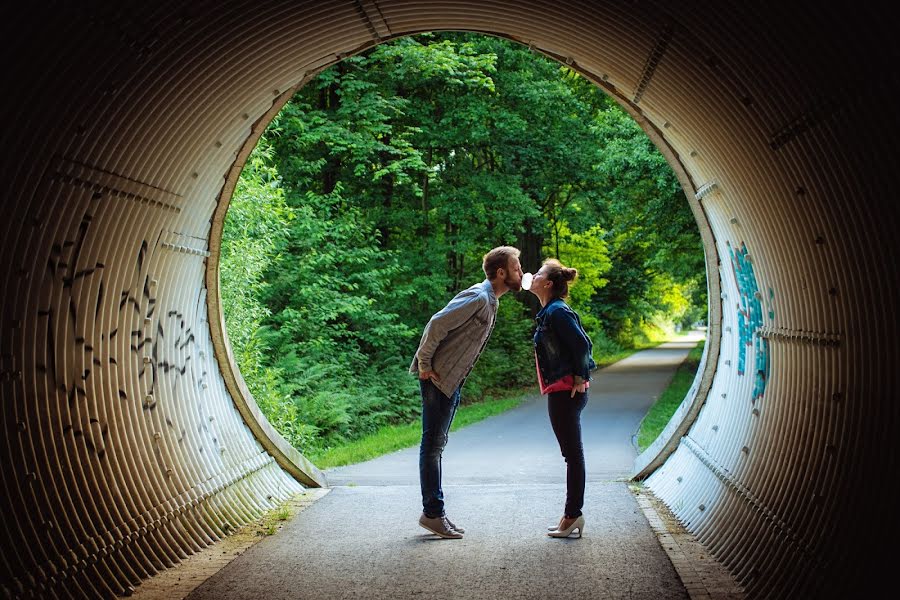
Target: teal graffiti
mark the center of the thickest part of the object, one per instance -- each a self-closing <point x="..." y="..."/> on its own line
<point x="750" y="319"/>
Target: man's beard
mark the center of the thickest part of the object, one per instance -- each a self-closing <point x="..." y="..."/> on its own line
<point x="513" y="284"/>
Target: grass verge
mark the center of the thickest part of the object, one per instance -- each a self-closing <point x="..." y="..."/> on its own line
<point x="396" y="437"/>
<point x="659" y="414"/>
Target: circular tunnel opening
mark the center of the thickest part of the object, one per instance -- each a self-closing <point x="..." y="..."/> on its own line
<point x="374" y="191"/>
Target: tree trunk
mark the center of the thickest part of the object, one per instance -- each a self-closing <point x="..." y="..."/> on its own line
<point x="530" y="247"/>
<point x="330" y="101"/>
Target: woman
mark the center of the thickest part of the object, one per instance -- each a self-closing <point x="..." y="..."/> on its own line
<point x="564" y="363"/>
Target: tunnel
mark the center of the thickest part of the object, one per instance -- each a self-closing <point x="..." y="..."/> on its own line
<point x="129" y="439"/>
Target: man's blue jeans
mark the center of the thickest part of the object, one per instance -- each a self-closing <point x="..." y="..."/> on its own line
<point x="437" y="414"/>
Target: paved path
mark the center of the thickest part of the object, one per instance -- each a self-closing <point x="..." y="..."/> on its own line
<point x="504" y="481"/>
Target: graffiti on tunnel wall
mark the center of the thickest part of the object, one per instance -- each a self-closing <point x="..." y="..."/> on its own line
<point x="750" y="319"/>
<point x="79" y="356"/>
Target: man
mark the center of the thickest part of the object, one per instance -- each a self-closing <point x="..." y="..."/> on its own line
<point x="450" y="345"/>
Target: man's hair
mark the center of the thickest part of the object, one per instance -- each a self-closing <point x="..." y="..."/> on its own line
<point x="498" y="258"/>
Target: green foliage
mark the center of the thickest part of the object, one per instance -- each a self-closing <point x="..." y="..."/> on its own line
<point x="668" y="402"/>
<point x="374" y="194"/>
<point x="508" y="358"/>
<point x="333" y="339"/>
<point x="257" y="223"/>
<point x="587" y="252"/>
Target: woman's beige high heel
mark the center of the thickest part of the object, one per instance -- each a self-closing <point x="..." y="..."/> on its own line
<point x="564" y="533"/>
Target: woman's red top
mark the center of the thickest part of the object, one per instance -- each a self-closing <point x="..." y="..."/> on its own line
<point x="566" y="383"/>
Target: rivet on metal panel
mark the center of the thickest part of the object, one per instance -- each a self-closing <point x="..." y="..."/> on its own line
<point x="204" y="385"/>
<point x="728" y="329"/>
<point x="755" y="412"/>
<point x="569" y="60"/>
<point x="218" y="144"/>
<point x="715" y="427"/>
<point x="693" y="153"/>
<point x="202" y="354"/>
<point x="800" y="190"/>
<point x="147" y="360"/>
<point x="245" y="116"/>
<point x="156" y="435"/>
<point x="148" y="399"/>
<point x="728" y="363"/>
<point x="702" y="507"/>
<point x="745" y="450"/>
<point x="724" y="394"/>
<point x="832" y="291"/>
<point x="221" y="448"/>
<point x="147" y="320"/>
<point x="733" y="220"/>
<point x="837" y="396"/>
<point x="169" y="472"/>
<point x="604" y="77"/>
<point x="195" y="174"/>
<point x="21" y="425"/>
<point x="820" y="240"/>
<point x="212" y="418"/>
<point x="667" y="124"/>
<point x="30" y="477"/>
<point x="679" y="479"/>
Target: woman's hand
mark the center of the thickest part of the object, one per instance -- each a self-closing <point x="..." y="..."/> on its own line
<point x="579" y="387"/>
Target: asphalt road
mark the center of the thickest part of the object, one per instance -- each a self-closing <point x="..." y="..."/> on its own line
<point x="504" y="482"/>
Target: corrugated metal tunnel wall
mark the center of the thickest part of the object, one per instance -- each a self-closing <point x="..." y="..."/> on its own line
<point x="127" y="439"/>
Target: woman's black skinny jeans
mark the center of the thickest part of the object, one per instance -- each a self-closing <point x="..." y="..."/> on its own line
<point x="565" y="418"/>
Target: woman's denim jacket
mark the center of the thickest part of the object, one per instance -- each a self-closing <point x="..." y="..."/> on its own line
<point x="561" y="344"/>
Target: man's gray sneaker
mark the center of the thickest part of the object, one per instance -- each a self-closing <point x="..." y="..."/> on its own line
<point x="439" y="526"/>
<point x="455" y="526"/>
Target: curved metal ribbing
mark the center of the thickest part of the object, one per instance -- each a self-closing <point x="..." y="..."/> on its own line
<point x="128" y="440"/>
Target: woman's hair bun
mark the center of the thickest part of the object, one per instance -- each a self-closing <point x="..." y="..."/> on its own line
<point x="570" y="273"/>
